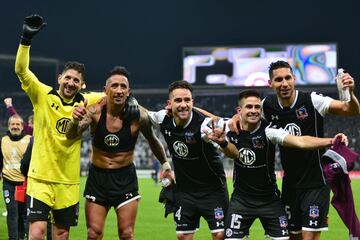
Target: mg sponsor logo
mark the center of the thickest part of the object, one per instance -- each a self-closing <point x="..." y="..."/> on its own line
<point x="180" y="148"/>
<point x="61" y="125"/>
<point x="293" y="129"/>
<point x="111" y="140"/>
<point x="247" y="156"/>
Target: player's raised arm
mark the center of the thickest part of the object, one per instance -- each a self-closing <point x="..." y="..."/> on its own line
<point x="31" y="26"/>
<point x="154" y="142"/>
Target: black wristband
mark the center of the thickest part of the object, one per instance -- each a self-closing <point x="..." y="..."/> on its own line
<point x="25" y="41"/>
<point x="224" y="144"/>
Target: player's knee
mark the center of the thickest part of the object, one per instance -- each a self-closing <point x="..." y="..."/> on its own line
<point x="60" y="232"/>
<point x="126" y="233"/>
<point x="218" y="236"/>
<point x="182" y="236"/>
<point x="37" y="234"/>
<point x="94" y="233"/>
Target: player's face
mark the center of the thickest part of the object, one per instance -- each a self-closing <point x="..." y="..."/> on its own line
<point x="250" y="110"/>
<point x="283" y="83"/>
<point x="15" y="126"/>
<point x="70" y="83"/>
<point x="181" y="103"/>
<point x="117" y="89"/>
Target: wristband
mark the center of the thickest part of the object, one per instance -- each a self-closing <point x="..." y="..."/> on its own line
<point x="166" y="166"/>
<point x="224" y="144"/>
<point x="24" y="41"/>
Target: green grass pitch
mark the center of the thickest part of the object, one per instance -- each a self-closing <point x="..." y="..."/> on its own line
<point x="151" y="224"/>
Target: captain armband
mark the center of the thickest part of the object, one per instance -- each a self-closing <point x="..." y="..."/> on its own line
<point x="166" y="166"/>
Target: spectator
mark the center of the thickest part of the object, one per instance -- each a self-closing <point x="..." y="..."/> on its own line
<point x="13" y="147"/>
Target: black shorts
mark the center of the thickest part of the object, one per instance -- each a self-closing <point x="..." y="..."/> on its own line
<point x="210" y="205"/>
<point x="243" y="211"/>
<point x="40" y="211"/>
<point x="112" y="187"/>
<point x="307" y="209"/>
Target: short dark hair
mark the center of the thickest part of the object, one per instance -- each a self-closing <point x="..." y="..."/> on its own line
<point x="75" y="66"/>
<point x="182" y="84"/>
<point x="278" y="64"/>
<point x="118" y="70"/>
<point x="248" y="93"/>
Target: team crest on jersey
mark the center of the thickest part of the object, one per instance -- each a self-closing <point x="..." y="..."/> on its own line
<point x="293" y="129"/>
<point x="180" y="148"/>
<point x="301" y="113"/>
<point x="189" y="138"/>
<point x="314" y="211"/>
<point x="247" y="156"/>
<point x="111" y="140"/>
<point x="283" y="221"/>
<point x="258" y="142"/>
<point x="6" y="193"/>
<point x="219" y="213"/>
<point x="61" y="125"/>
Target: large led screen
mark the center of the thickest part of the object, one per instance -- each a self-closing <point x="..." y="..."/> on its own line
<point x="248" y="66"/>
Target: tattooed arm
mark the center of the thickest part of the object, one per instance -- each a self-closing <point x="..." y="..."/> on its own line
<point x="82" y="118"/>
<point x="154" y="142"/>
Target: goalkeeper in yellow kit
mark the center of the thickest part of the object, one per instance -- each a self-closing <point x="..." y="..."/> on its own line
<point x="54" y="172"/>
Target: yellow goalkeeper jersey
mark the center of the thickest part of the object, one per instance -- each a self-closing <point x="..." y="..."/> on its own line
<point x="54" y="157"/>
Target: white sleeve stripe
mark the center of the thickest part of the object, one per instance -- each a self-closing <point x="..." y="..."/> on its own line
<point x="321" y="103"/>
<point x="157" y="117"/>
<point x="276" y="136"/>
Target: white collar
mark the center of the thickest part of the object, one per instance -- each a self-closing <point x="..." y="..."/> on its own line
<point x="187" y="123"/>
<point x="293" y="104"/>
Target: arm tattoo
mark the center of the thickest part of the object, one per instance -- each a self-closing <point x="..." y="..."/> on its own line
<point x="148" y="132"/>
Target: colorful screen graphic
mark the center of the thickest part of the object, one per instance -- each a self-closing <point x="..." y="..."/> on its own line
<point x="248" y="66"/>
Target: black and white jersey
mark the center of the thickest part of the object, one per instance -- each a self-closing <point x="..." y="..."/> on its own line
<point x="302" y="168"/>
<point x="254" y="172"/>
<point x="197" y="162"/>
